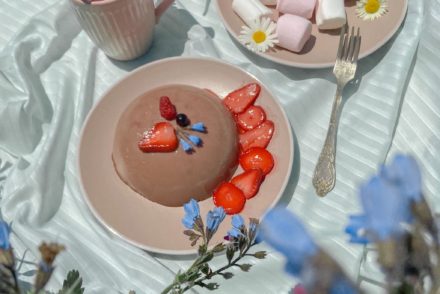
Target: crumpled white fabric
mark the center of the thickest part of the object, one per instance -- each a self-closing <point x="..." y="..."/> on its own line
<point x="51" y="75"/>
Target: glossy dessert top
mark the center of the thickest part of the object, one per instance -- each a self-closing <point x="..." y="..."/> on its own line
<point x="173" y="178"/>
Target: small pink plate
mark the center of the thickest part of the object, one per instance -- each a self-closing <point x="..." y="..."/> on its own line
<point x="134" y="218"/>
<point x="320" y="50"/>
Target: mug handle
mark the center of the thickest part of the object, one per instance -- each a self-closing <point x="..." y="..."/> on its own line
<point x="160" y="9"/>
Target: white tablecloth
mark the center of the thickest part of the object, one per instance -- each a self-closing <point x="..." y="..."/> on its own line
<point x="51" y="75"/>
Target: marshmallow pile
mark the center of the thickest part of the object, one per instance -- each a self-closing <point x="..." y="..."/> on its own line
<point x="293" y="26"/>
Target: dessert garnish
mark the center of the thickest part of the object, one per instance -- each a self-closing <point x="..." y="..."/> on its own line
<point x="251" y="118"/>
<point x="371" y="9"/>
<point x="163" y="137"/>
<point x="260" y="36"/>
<point x="258" y="137"/>
<point x="240" y="99"/>
<point x="257" y="158"/>
<point x="231" y="198"/>
<point x="255" y="133"/>
<point x="167" y="109"/>
<point x="160" y="138"/>
<point x="249" y="182"/>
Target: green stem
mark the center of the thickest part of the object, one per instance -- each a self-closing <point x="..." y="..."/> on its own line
<point x="209" y="276"/>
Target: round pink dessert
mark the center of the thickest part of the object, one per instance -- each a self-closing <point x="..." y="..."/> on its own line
<point x="173" y="178"/>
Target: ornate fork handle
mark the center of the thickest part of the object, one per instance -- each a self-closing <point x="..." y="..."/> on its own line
<point x="324" y="177"/>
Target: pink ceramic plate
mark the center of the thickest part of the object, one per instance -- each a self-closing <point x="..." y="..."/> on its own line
<point x="320" y="50"/>
<point x="127" y="214"/>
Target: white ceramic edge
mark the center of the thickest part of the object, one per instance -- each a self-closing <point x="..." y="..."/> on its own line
<point x="154" y="249"/>
<point x="308" y="65"/>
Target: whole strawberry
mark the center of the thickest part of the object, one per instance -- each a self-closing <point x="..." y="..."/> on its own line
<point x="167" y="109"/>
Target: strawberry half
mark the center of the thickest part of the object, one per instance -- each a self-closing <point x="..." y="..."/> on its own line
<point x="230" y="198"/>
<point x="160" y="138"/>
<point x="251" y="118"/>
<point x="258" y="137"/>
<point x="249" y="182"/>
<point x="240" y="99"/>
<point x="257" y="158"/>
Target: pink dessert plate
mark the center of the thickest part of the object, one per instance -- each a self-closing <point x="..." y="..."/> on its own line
<point x="136" y="219"/>
<point x="320" y="50"/>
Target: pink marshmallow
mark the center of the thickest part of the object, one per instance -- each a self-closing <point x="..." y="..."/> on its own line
<point x="302" y="8"/>
<point x="293" y="32"/>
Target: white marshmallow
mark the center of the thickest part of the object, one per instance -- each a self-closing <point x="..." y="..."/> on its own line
<point x="330" y="14"/>
<point x="250" y="10"/>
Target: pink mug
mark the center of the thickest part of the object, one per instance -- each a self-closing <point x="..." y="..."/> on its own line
<point x="123" y="29"/>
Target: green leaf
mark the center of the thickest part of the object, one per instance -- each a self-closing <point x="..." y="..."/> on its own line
<point x="181" y="277"/>
<point x="211" y="286"/>
<point x="260" y="254"/>
<point x="189" y="232"/>
<point x="208" y="257"/>
<point x="245" y="267"/>
<point x="205" y="269"/>
<point x="218" y="248"/>
<point x="72" y="284"/>
<point x="227" y="275"/>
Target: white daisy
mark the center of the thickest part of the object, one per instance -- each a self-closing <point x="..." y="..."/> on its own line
<point x="260" y="36"/>
<point x="371" y="9"/>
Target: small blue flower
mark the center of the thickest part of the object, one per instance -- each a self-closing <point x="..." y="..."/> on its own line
<point x="286" y="234"/>
<point x="237" y="225"/>
<point x="404" y="172"/>
<point x="185" y="145"/>
<point x="199" y="127"/>
<point x="214" y="218"/>
<point x="237" y="221"/>
<point x="357" y="224"/>
<point x="384" y="208"/>
<point x="192" y="212"/>
<point x="195" y="140"/>
<point x="4" y="235"/>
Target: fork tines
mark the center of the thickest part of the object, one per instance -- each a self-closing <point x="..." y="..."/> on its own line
<point x="349" y="45"/>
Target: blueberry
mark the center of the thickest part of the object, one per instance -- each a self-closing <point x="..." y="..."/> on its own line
<point x="182" y="120"/>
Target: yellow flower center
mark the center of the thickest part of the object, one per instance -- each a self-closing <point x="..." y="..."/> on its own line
<point x="259" y="37"/>
<point x="372" y="6"/>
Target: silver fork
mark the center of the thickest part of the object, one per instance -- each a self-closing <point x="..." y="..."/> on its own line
<point x="324" y="177"/>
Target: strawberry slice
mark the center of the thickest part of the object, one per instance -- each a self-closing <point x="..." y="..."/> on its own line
<point x="240" y="99"/>
<point x="251" y="118"/>
<point x="230" y="198"/>
<point x="258" y="137"/>
<point x="160" y="138"/>
<point x="249" y="182"/>
<point x="257" y="158"/>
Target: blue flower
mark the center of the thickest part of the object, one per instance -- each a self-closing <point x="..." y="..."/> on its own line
<point x="195" y="140"/>
<point x="404" y="172"/>
<point x="192" y="212"/>
<point x="185" y="145"/>
<point x="4" y="235"/>
<point x="237" y="221"/>
<point x="214" y="218"/>
<point x="285" y="233"/>
<point x="237" y="225"/>
<point x="199" y="127"/>
<point x="384" y="207"/>
<point x="356" y="226"/>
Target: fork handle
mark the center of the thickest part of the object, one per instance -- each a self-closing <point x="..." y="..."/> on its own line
<point x="324" y="177"/>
